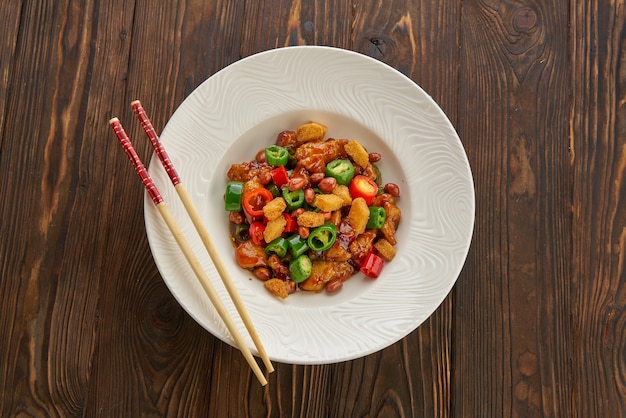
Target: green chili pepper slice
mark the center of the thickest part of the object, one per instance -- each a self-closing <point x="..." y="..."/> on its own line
<point x="377" y="217"/>
<point x="297" y="245"/>
<point x="242" y="233"/>
<point x="300" y="268"/>
<point x="276" y="155"/>
<point x="278" y="246"/>
<point x="323" y="237"/>
<point x="341" y="170"/>
<point x="233" y="195"/>
<point x="293" y="199"/>
<point x="274" y="190"/>
<point x="379" y="175"/>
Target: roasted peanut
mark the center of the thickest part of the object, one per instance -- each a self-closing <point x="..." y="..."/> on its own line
<point x="304" y="232"/>
<point x="236" y="217"/>
<point x="334" y="285"/>
<point x="328" y="216"/>
<point x="309" y="195"/>
<point x="374" y="157"/>
<point x="286" y="138"/>
<point x="297" y="212"/>
<point x="260" y="156"/>
<point x="290" y="287"/>
<point x="392" y="189"/>
<point x="327" y="184"/>
<point x="296" y="183"/>
<point x="316" y="178"/>
<point x="262" y="273"/>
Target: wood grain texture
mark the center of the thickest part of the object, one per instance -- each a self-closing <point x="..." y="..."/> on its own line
<point x="516" y="302"/>
<point x="535" y="325"/>
<point x="598" y="143"/>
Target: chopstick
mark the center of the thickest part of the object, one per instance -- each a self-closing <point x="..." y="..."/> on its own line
<point x="185" y="246"/>
<point x="201" y="229"/>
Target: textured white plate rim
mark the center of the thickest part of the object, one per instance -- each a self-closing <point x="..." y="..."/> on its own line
<point x="356" y="88"/>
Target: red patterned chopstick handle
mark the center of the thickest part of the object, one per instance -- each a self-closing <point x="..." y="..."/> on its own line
<point x="156" y="142"/>
<point x="134" y="159"/>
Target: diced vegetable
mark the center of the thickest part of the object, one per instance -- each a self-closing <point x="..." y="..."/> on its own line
<point x="233" y="195"/>
<point x="274" y="190"/>
<point x="322" y="237"/>
<point x="300" y="268"/>
<point x="242" y="233"/>
<point x="377" y="217"/>
<point x="297" y="245"/>
<point x="254" y="200"/>
<point x="341" y="170"/>
<point x="276" y="156"/>
<point x="279" y="247"/>
<point x="292" y="225"/>
<point x="362" y="186"/>
<point x="372" y="265"/>
<point x="293" y="199"/>
<point x="256" y="233"/>
<point x="280" y="176"/>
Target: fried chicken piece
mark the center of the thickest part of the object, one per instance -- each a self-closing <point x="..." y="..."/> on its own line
<point x="249" y="255"/>
<point x="361" y="246"/>
<point x="336" y="253"/>
<point x="248" y="171"/>
<point x="323" y="272"/>
<point x="391" y="223"/>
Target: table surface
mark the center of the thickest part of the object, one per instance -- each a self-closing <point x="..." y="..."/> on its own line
<point x="535" y="325"/>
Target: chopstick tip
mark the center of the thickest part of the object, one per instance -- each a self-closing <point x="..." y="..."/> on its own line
<point x="135" y="102"/>
<point x="113" y="120"/>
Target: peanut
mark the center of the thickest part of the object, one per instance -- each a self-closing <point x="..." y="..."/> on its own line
<point x="316" y="178"/>
<point x="374" y="157"/>
<point x="327" y="185"/>
<point x="262" y="273"/>
<point x="304" y="232"/>
<point x="334" y="285"/>
<point x="392" y="189"/>
<point x="296" y="183"/>
<point x="309" y="195"/>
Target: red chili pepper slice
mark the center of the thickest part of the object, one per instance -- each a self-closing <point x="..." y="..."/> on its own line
<point x="280" y="176"/>
<point x="372" y="265"/>
<point x="362" y="186"/>
<point x="254" y="201"/>
<point x="292" y="224"/>
<point x="256" y="233"/>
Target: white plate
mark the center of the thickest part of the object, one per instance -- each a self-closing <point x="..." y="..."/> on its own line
<point x="238" y="111"/>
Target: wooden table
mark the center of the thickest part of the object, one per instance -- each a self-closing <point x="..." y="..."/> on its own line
<point x="536" y="323"/>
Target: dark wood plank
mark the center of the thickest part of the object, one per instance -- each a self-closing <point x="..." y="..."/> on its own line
<point x="10" y="14"/>
<point x="512" y="309"/>
<point x="152" y="358"/>
<point x="278" y="23"/>
<point x="49" y="336"/>
<point x="598" y="151"/>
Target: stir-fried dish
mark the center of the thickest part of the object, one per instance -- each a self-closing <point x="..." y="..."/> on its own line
<point x="307" y="213"/>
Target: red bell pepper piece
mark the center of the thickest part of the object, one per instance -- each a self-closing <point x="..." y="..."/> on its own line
<point x="372" y="265"/>
<point x="362" y="186"/>
<point x="254" y="201"/>
<point x="256" y="233"/>
<point x="279" y="176"/>
<point x="292" y="224"/>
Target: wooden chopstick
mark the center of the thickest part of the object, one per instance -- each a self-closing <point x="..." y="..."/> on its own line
<point x="201" y="229"/>
<point x="185" y="247"/>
